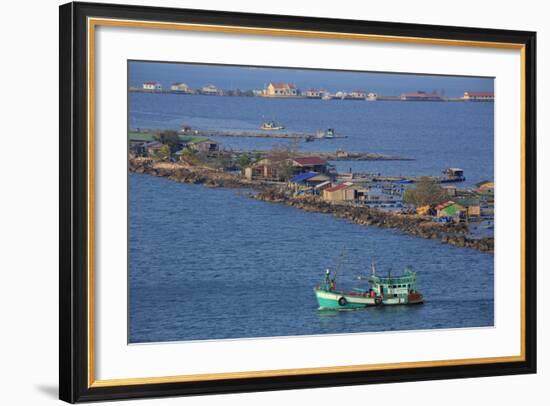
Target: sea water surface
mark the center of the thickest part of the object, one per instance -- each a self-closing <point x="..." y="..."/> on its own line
<point x="216" y="264"/>
<point x="210" y="263"/>
<point x="437" y="135"/>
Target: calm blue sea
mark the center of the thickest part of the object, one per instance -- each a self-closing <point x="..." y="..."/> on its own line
<point x="213" y="263"/>
<point x="436" y="135"/>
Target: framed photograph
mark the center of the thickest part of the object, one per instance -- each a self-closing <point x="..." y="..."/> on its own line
<point x="259" y="202"/>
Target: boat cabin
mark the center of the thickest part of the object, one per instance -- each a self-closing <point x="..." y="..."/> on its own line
<point x="399" y="286"/>
<point x="453" y="175"/>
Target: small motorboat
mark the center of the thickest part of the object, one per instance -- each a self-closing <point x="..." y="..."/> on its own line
<point x="271" y="125"/>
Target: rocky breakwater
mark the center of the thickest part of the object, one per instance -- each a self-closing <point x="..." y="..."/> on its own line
<point x="454" y="234"/>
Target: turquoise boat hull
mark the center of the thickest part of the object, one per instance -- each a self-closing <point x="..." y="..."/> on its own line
<point x="340" y="300"/>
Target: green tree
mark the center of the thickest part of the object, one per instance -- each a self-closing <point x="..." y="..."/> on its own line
<point x="163" y="152"/>
<point x="426" y="191"/>
<point x="283" y="155"/>
<point x="244" y="161"/>
<point x="170" y="138"/>
<point x="190" y="156"/>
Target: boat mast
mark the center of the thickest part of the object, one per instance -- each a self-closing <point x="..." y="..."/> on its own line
<point x="340" y="263"/>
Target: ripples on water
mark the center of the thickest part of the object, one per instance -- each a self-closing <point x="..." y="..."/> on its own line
<point x="212" y="264"/>
<point x="437" y="135"/>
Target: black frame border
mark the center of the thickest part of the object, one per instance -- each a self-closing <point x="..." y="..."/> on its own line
<point x="73" y="198"/>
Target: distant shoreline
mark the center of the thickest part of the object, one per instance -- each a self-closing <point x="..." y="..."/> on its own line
<point x="301" y="97"/>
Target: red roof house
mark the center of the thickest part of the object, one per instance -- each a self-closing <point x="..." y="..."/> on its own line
<point x="281" y="89"/>
<point x="310" y="164"/>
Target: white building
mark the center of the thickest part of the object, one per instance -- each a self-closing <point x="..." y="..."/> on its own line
<point x="281" y="90"/>
<point x="210" y="89"/>
<point x="152" y="86"/>
<point x="181" y="87"/>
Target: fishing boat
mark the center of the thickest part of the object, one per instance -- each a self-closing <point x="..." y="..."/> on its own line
<point x="328" y="134"/>
<point x="388" y="290"/>
<point x="452" y="175"/>
<point x="271" y="125"/>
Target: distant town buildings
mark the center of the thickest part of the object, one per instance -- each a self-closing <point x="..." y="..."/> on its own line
<point x="479" y="96"/>
<point x="211" y="90"/>
<point x="181" y="88"/>
<point x="313" y="94"/>
<point x="357" y="94"/>
<point x="339" y="95"/>
<point x="281" y="90"/>
<point x="291" y="90"/>
<point x="152" y="86"/>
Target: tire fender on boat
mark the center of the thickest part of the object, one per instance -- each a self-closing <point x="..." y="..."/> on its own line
<point x="378" y="300"/>
<point x="342" y="301"/>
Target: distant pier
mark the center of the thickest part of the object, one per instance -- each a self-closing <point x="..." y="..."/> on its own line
<point x="338" y="155"/>
<point x="263" y="134"/>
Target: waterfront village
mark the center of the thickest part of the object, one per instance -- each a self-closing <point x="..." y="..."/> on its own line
<point x="434" y="207"/>
<point x="290" y="90"/>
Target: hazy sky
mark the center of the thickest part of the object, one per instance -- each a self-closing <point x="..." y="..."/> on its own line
<point x="247" y="78"/>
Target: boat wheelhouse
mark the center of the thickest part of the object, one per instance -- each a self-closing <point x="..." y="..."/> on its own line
<point x="396" y="290"/>
<point x="453" y="175"/>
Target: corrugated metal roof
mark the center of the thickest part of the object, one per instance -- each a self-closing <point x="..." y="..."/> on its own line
<point x="303" y="176"/>
<point x="310" y="160"/>
<point x="320" y="185"/>
<point x="284" y="85"/>
<point x="339" y="187"/>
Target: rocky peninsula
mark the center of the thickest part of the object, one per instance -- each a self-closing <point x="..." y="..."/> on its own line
<point x="410" y="224"/>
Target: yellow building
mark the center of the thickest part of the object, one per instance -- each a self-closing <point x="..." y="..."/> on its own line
<point x="181" y="87"/>
<point x="281" y="90"/>
<point x="423" y="210"/>
<point x="337" y="193"/>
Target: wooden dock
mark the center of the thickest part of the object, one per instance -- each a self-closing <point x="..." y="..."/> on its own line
<point x="368" y="178"/>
